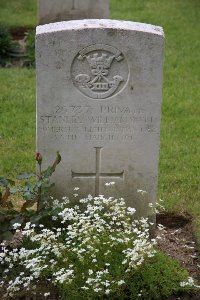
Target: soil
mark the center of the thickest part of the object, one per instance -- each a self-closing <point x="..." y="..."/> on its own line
<point x="178" y="242"/>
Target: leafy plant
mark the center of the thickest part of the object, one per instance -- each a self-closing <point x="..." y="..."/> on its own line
<point x="33" y="191"/>
<point x="159" y="277"/>
<point x="97" y="252"/>
<point x="30" y="49"/>
<point x="4" y="196"/>
<point x="7" y="45"/>
<point x="36" y="187"/>
<point x="7" y="211"/>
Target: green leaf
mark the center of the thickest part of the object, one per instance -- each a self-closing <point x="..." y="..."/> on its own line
<point x="5" y="226"/>
<point x="31" y="189"/>
<point x="14" y="190"/>
<point x="45" y="212"/>
<point x="10" y="204"/>
<point x="57" y="161"/>
<point x="25" y="176"/>
<point x="6" y="195"/>
<point x="17" y="219"/>
<point x="49" y="171"/>
<point x="27" y="205"/>
<point x="28" y="196"/>
<point x="25" y="189"/>
<point x="35" y="218"/>
<point x="46" y="185"/>
<point x="7" y="235"/>
<point x="3" y="182"/>
<point x="11" y="182"/>
<point x="3" y="212"/>
<point x="45" y="180"/>
<point x="38" y="184"/>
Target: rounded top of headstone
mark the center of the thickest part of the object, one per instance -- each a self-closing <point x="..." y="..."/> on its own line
<point x="99" y="24"/>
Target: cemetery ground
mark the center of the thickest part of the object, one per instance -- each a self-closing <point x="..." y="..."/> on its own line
<point x="179" y="169"/>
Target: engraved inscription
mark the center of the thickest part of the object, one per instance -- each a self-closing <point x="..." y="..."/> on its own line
<point x="97" y="123"/>
<point x="97" y="175"/>
<point x="99" y="71"/>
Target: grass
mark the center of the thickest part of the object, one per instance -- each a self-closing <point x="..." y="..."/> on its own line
<point x="179" y="171"/>
<point x="18" y="13"/>
<point x="17" y="126"/>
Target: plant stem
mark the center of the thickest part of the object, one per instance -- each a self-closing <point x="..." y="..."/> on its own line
<point x="39" y="196"/>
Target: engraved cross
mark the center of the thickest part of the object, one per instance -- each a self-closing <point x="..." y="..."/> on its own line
<point x="97" y="175"/>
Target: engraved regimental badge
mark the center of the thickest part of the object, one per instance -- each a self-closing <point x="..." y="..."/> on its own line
<point x="99" y="71"/>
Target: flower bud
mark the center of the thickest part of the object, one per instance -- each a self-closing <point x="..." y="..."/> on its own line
<point x="38" y="158"/>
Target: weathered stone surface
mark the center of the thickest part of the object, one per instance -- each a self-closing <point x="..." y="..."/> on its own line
<point x="50" y="11"/>
<point x="99" y="86"/>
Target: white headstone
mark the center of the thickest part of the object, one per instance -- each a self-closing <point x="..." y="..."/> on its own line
<point x="99" y="86"/>
<point x="50" y="11"/>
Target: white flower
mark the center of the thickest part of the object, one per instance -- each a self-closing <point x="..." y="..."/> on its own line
<point x="96" y="228"/>
<point x="76" y="188"/>
<point x="160" y="227"/>
<point x="65" y="200"/>
<point x="109" y="183"/>
<point x="16" y="225"/>
<point x="46" y="294"/>
<point x="97" y="289"/>
<point x="141" y="192"/>
<point x="131" y="210"/>
<point x="27" y="226"/>
<point x="120" y="282"/>
<point x="85" y="288"/>
<point x="189" y="283"/>
<point x="56" y="203"/>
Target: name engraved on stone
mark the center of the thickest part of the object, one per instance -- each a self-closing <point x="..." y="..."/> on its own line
<point x="103" y="122"/>
<point x="99" y="71"/>
<point x="98" y="175"/>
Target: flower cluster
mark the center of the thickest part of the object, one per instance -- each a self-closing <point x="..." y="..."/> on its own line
<point x="93" y="236"/>
<point x="189" y="283"/>
<point x="96" y="247"/>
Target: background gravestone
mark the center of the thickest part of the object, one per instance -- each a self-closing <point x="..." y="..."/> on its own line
<point x="50" y="11"/>
<point x="99" y="86"/>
